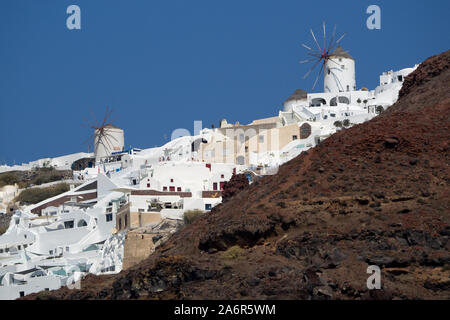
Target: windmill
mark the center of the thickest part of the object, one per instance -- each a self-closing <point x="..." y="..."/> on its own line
<point x="107" y="138"/>
<point x="322" y="55"/>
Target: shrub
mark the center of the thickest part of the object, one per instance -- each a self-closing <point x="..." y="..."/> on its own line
<point x="47" y="178"/>
<point x="7" y="179"/>
<point x="346" y="123"/>
<point x="338" y="124"/>
<point x="3" y="229"/>
<point x="35" y="195"/>
<point x="379" y="109"/>
<point x="191" y="215"/>
<point x="233" y="253"/>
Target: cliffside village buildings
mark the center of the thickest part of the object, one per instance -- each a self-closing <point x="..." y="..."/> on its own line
<point x="55" y="242"/>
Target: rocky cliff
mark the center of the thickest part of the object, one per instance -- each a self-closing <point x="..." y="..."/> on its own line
<point x="374" y="194"/>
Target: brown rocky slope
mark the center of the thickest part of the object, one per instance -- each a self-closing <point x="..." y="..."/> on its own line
<point x="376" y="193"/>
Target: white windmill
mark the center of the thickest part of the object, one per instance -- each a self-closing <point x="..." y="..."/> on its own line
<point x="336" y="64"/>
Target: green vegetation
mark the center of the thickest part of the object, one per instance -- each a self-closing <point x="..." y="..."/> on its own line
<point x="8" y="178"/>
<point x="34" y="177"/>
<point x="233" y="253"/>
<point x="155" y="206"/>
<point x="3" y="229"/>
<point x="192" y="215"/>
<point x="338" y="124"/>
<point x="379" y="109"/>
<point x="44" y="295"/>
<point x="35" y="195"/>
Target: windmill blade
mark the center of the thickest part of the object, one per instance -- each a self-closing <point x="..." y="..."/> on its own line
<point x="89" y="140"/>
<point x="107" y="134"/>
<point x="95" y="119"/>
<point x="339" y="84"/>
<point x="107" y="115"/>
<point x="324" y="37"/>
<point x="318" y="75"/>
<point x="305" y="46"/>
<point x="310" y="70"/>
<point x="108" y="142"/>
<point x="332" y="39"/>
<point x="342" y="37"/>
<point x="329" y="59"/>
<point x="312" y="50"/>
<point x="315" y="55"/>
<point x="305" y="61"/>
<point x="315" y="40"/>
<point x="337" y="42"/>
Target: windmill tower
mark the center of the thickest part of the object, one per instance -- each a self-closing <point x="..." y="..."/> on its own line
<point x="107" y="137"/>
<point x="339" y="72"/>
<point x="336" y="64"/>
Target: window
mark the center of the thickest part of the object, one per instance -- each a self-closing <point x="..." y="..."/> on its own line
<point x="172" y="189"/>
<point x="222" y="176"/>
<point x="82" y="223"/>
<point x="171" y="180"/>
<point x="348" y="88"/>
<point x="261" y="139"/>
<point x="148" y="185"/>
<point x="179" y="189"/>
<point x="22" y="293"/>
<point x="68" y="224"/>
<point x="400" y="78"/>
<point x="342" y="67"/>
<point x="221" y="185"/>
<point x="294" y="137"/>
<point x="109" y="217"/>
<point x="215" y="186"/>
<point x="208" y="206"/>
<point x="246" y="149"/>
<point x="164" y="188"/>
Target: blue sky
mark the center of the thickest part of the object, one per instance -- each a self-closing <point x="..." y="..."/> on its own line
<point x="160" y="65"/>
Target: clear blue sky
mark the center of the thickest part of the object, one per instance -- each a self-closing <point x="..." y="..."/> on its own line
<point x="162" y="64"/>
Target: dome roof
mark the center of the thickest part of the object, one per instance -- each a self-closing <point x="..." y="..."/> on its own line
<point x="298" y="94"/>
<point x="341" y="53"/>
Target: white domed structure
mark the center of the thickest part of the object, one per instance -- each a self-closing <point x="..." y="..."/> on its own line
<point x="339" y="72"/>
<point x="108" y="139"/>
<point x="299" y="97"/>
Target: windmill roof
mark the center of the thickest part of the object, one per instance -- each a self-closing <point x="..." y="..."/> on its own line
<point x="339" y="52"/>
<point x="111" y="126"/>
<point x="298" y="94"/>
